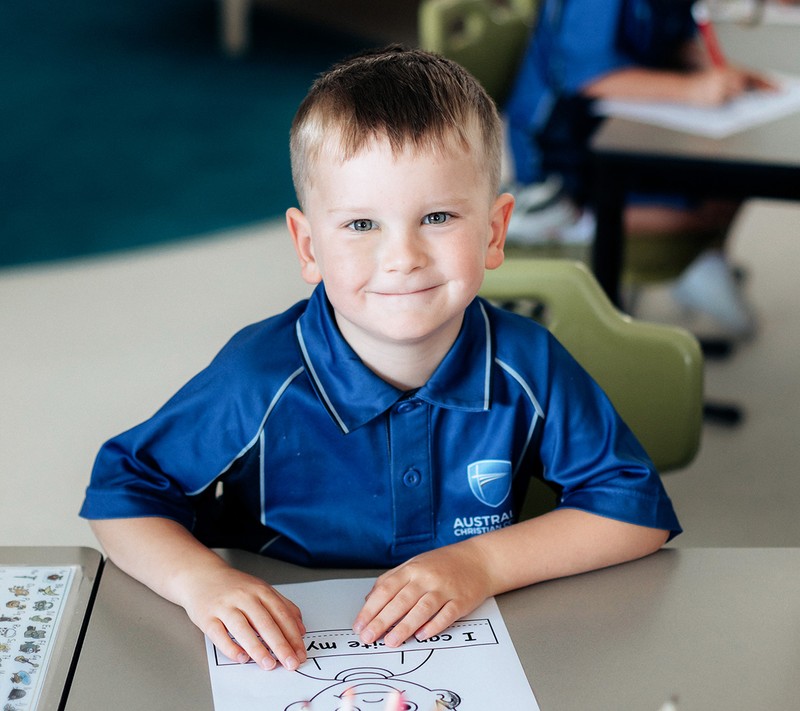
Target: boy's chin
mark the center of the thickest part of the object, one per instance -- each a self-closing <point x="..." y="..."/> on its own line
<point x="419" y="330"/>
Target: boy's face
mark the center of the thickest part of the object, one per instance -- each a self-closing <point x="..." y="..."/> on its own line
<point x="401" y="241"/>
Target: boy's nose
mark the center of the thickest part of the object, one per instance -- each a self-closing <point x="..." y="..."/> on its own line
<point x="404" y="252"/>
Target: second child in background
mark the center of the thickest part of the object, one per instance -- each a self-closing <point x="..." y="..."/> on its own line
<point x="584" y="50"/>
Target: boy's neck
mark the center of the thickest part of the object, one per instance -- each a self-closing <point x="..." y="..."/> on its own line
<point x="406" y="366"/>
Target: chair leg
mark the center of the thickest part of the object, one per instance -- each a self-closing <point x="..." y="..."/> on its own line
<point x="730" y="414"/>
<point x="719" y="413"/>
<point x="716" y="348"/>
<point x="234" y="22"/>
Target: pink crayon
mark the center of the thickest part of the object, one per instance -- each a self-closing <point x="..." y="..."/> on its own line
<point x="395" y="701"/>
<point x="347" y="697"/>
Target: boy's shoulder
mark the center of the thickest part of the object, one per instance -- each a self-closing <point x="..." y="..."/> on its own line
<point x="245" y="375"/>
<point x="262" y="348"/>
<point x="524" y="344"/>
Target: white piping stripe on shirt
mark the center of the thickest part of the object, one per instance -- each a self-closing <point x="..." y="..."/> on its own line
<point x="539" y="412"/>
<point x="250" y="444"/>
<point x="269" y="543"/>
<point x="261" y="477"/>
<point x="316" y="379"/>
<point x="488" y="369"/>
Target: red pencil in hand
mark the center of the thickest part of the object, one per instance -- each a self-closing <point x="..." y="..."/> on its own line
<point x="702" y="18"/>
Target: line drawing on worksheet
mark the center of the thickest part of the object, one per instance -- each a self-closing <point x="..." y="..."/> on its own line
<point x="471" y="665"/>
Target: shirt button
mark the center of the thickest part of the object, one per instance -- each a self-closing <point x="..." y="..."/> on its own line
<point x="406" y="406"/>
<point x="412" y="478"/>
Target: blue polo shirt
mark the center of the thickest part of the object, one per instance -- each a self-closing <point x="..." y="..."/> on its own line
<point x="287" y="444"/>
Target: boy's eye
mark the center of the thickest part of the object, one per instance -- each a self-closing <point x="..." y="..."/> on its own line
<point x="361" y="225"/>
<point x="436" y="218"/>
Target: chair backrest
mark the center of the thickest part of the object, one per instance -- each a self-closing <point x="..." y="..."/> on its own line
<point x="487" y="37"/>
<point x="653" y="373"/>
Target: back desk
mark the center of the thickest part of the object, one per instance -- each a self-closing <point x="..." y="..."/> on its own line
<point x="762" y="161"/>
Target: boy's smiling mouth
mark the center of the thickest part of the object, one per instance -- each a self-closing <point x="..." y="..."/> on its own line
<point x="405" y="292"/>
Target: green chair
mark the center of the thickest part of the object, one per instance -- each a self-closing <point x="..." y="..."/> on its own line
<point x="652" y="373"/>
<point x="487" y="37"/>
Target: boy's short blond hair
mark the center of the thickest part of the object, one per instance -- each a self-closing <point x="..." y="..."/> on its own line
<point x="410" y="97"/>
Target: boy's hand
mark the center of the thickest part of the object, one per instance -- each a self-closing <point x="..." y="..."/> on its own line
<point x="218" y="598"/>
<point x="717" y="85"/>
<point x="424" y="595"/>
<point x="224" y="600"/>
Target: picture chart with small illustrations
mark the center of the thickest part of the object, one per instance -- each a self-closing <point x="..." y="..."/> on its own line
<point x="471" y="666"/>
<point x="32" y="600"/>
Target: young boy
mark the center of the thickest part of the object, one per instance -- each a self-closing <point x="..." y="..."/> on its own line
<point x="393" y="419"/>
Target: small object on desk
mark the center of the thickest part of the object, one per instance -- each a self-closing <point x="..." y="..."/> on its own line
<point x="347" y="697"/>
<point x="395" y="701"/>
<point x="671" y="705"/>
<point x="702" y="18"/>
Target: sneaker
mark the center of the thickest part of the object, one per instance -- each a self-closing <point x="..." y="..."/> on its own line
<point x="543" y="215"/>
<point x="534" y="196"/>
<point x="581" y="231"/>
<point x="708" y="286"/>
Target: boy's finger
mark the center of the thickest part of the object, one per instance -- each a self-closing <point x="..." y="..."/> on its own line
<point x="245" y="644"/>
<point x="293" y="610"/>
<point x="282" y="636"/>
<point x="396" y="609"/>
<point x="246" y="637"/>
<point x="439" y="622"/>
<point x="220" y="638"/>
<point x="374" y="603"/>
<point x="426" y="609"/>
<point x="286" y="616"/>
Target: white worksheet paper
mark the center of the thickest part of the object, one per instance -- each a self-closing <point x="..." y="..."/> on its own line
<point x="745" y="111"/>
<point x="770" y="12"/>
<point x="472" y="666"/>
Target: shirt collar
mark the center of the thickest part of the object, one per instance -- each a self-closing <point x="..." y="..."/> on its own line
<point x="354" y="395"/>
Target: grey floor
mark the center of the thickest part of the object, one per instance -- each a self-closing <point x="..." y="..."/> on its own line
<point x="90" y="347"/>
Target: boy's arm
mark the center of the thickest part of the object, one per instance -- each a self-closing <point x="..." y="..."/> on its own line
<point x="697" y="81"/>
<point x="428" y="593"/>
<point x="219" y="599"/>
<point x="708" y="86"/>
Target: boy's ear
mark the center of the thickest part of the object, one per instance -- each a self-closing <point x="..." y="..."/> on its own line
<point x="499" y="216"/>
<point x="300" y="230"/>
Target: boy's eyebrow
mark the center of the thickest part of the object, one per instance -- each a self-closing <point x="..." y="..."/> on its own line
<point x="428" y="204"/>
<point x="431" y="205"/>
<point x="348" y="210"/>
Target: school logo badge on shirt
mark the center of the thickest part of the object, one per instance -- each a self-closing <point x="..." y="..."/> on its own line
<point x="490" y="481"/>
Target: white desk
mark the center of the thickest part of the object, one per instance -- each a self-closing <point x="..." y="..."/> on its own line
<point x="718" y="627"/>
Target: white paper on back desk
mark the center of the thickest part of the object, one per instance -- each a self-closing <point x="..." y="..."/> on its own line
<point x="472" y="666"/>
<point x="745" y="111"/>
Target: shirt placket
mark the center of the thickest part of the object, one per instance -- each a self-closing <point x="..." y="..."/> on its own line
<point x="412" y="488"/>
